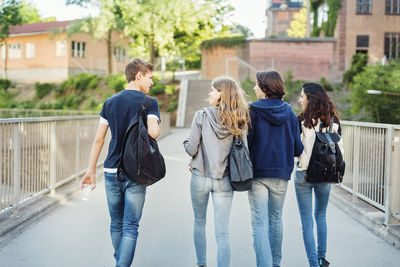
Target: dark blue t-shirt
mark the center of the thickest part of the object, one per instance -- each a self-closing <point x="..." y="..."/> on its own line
<point x="117" y="113"/>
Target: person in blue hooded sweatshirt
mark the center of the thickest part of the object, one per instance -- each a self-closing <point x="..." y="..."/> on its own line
<point x="274" y="141"/>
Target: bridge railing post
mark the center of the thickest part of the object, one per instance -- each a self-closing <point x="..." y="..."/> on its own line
<point x="16" y="145"/>
<point x="53" y="157"/>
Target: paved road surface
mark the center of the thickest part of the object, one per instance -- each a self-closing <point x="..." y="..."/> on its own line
<point x="76" y="234"/>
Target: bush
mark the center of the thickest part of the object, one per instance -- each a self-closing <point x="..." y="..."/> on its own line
<point x="383" y="108"/>
<point x="43" y="89"/>
<point x="292" y="86"/>
<point x="248" y="88"/>
<point x="79" y="83"/>
<point x="117" y="82"/>
<point x="358" y="63"/>
<point x="157" y="89"/>
<point x="5" y="84"/>
<point x="326" y="84"/>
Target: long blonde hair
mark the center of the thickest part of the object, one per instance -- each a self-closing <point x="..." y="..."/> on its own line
<point x="233" y="112"/>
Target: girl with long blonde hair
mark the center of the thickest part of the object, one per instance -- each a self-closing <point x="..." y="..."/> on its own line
<point x="209" y="144"/>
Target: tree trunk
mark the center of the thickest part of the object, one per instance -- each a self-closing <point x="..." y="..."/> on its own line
<point x="109" y="51"/>
<point x="5" y="59"/>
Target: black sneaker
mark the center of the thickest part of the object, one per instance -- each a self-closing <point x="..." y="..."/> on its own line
<point x="323" y="262"/>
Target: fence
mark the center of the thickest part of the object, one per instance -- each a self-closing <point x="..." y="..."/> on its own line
<point x="37" y="155"/>
<point x="372" y="154"/>
<point x="25" y="113"/>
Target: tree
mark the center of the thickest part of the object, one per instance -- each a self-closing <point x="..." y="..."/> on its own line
<point x="299" y="23"/>
<point x="330" y="25"/>
<point x="315" y="4"/>
<point x="170" y="23"/>
<point x="358" y="63"/>
<point x="30" y="14"/>
<point x="102" y="26"/>
<point x="382" y="108"/>
<point x="9" y="17"/>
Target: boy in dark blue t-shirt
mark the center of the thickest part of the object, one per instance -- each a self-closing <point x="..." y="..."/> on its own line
<point x="125" y="199"/>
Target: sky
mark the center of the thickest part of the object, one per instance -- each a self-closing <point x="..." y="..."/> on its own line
<point x="249" y="13"/>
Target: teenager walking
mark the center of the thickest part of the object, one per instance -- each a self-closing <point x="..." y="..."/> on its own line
<point x="125" y="198"/>
<point x="274" y="141"/>
<point x="209" y="143"/>
<point x="317" y="107"/>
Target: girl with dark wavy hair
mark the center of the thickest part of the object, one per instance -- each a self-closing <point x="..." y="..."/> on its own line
<point x="317" y="107"/>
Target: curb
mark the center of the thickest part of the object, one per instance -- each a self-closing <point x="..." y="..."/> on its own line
<point x="367" y="215"/>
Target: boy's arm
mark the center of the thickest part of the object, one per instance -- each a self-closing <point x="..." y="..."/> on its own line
<point x="153" y="128"/>
<point x="97" y="145"/>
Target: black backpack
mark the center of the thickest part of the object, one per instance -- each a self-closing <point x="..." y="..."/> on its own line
<point x="240" y="166"/>
<point x="141" y="160"/>
<point x="326" y="162"/>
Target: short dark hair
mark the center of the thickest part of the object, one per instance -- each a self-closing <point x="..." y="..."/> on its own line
<point x="271" y="83"/>
<point x="137" y="65"/>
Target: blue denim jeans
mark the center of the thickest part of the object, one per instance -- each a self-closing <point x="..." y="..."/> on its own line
<point x="304" y="201"/>
<point x="266" y="200"/>
<point x="125" y="203"/>
<point x="221" y="191"/>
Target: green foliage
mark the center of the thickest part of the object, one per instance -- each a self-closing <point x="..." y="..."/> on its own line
<point x="326" y="84"/>
<point x="157" y="88"/>
<point x="358" y="63"/>
<point x="248" y="88"/>
<point x="5" y="84"/>
<point x="9" y="16"/>
<point x="170" y="89"/>
<point x="330" y="25"/>
<point x="78" y="83"/>
<point x="315" y="4"/>
<point x="30" y="14"/>
<point x="43" y="89"/>
<point x="67" y="102"/>
<point x="223" y="41"/>
<point x="292" y="86"/>
<point x="117" y="82"/>
<point x="382" y="108"/>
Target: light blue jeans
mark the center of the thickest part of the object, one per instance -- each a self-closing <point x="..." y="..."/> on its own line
<point x="200" y="188"/>
<point x="125" y="203"/>
<point x="266" y="199"/>
<point x="304" y="201"/>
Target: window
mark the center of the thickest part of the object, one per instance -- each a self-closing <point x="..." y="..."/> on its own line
<point x="61" y="48"/>
<point x="78" y="49"/>
<point x="30" y="50"/>
<point x="119" y="53"/>
<point x="364" y="7"/>
<point x="3" y="51"/>
<point x="14" y="51"/>
<point x="392" y="7"/>
<point x="392" y="45"/>
<point x="362" y="40"/>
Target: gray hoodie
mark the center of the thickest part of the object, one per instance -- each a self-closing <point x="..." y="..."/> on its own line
<point x="209" y="143"/>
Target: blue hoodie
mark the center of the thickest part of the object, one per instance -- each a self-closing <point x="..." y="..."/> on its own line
<point x="274" y="138"/>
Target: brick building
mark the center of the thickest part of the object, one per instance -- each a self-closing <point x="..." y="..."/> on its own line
<point x="44" y="52"/>
<point x="307" y="59"/>
<point x="368" y="26"/>
<point x="279" y="14"/>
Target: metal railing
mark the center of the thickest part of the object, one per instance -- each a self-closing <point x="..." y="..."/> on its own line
<point x="38" y="155"/>
<point x="369" y="153"/>
<point x="25" y="113"/>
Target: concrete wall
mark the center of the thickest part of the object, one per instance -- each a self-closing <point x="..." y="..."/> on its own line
<point x="308" y="59"/>
<point x="36" y="75"/>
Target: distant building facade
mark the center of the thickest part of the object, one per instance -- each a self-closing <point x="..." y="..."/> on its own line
<point x="368" y="26"/>
<point x="279" y="14"/>
<point x="44" y="52"/>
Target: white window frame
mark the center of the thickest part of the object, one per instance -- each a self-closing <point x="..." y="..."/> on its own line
<point x="78" y="49"/>
<point x="61" y="48"/>
<point x="120" y="53"/>
<point x="2" y="51"/>
<point x="14" y="51"/>
<point x="30" y="50"/>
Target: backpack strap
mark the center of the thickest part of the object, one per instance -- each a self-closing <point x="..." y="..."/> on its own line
<point x="142" y="108"/>
<point x="331" y="126"/>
